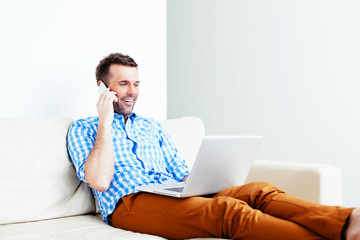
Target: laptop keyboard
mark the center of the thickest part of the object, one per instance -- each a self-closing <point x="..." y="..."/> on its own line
<point x="175" y="189"/>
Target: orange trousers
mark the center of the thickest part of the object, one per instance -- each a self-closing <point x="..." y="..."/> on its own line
<point x="253" y="211"/>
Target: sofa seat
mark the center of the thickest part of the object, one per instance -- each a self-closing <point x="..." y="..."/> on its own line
<point x="89" y="227"/>
<point x="84" y="227"/>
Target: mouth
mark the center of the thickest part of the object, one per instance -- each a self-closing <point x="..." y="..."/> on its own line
<point x="128" y="101"/>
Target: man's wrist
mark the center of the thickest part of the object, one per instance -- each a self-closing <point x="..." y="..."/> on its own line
<point x="104" y="125"/>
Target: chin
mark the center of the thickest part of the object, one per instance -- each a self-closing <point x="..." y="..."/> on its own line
<point x="124" y="113"/>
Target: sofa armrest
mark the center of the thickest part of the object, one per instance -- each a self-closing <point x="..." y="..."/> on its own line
<point x="319" y="183"/>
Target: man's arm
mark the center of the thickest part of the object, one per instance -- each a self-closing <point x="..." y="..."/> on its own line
<point x="99" y="166"/>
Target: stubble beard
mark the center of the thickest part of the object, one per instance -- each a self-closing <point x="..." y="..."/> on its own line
<point x="123" y="110"/>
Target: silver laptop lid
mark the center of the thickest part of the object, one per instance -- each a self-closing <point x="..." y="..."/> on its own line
<point x="222" y="162"/>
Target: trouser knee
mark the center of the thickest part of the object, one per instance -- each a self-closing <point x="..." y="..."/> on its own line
<point x="252" y="193"/>
<point x="262" y="188"/>
<point x="261" y="184"/>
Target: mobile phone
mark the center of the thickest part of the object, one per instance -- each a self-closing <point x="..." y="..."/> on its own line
<point x="101" y="88"/>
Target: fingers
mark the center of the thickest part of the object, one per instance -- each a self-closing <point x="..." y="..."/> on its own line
<point x="107" y="97"/>
<point x="105" y="107"/>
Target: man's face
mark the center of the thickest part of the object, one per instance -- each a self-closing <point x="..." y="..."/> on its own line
<point x="124" y="80"/>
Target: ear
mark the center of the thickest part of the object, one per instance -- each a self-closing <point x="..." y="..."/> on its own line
<point x="99" y="82"/>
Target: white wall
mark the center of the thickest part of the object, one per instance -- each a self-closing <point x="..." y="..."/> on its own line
<point x="49" y="51"/>
<point x="285" y="69"/>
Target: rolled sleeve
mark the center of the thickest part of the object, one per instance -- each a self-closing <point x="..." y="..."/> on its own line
<point x="80" y="141"/>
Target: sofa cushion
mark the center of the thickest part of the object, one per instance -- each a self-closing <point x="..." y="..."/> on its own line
<point x="187" y="134"/>
<point x="87" y="227"/>
<point x="37" y="178"/>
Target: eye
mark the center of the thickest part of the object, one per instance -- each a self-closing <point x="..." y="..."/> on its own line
<point x="136" y="84"/>
<point x="122" y="84"/>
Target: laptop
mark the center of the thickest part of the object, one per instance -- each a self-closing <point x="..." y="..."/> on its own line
<point x="222" y="162"/>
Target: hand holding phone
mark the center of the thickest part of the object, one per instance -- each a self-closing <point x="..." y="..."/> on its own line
<point x="105" y="104"/>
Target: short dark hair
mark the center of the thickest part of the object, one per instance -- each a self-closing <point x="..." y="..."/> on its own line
<point x="102" y="70"/>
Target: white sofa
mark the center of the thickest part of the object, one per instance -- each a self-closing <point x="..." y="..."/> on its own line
<point x="41" y="197"/>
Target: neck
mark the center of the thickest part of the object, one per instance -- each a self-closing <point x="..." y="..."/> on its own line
<point x="126" y="118"/>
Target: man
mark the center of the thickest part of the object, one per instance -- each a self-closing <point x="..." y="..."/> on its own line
<point x="119" y="150"/>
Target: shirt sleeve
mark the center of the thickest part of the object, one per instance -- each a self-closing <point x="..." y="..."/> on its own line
<point x="80" y="141"/>
<point x="175" y="164"/>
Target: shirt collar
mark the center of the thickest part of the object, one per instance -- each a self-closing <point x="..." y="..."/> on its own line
<point x="119" y="116"/>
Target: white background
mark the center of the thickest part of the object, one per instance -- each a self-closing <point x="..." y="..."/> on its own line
<point x="285" y="69"/>
<point x="49" y="51"/>
<point x="288" y="70"/>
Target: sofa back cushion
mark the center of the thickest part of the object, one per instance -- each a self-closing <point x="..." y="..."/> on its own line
<point x="37" y="178"/>
<point x="187" y="134"/>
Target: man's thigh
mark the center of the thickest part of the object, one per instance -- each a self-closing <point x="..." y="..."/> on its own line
<point x="167" y="216"/>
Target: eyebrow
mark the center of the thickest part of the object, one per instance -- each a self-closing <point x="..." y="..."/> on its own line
<point x="128" y="81"/>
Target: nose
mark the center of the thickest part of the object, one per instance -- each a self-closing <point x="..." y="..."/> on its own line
<point x="131" y="90"/>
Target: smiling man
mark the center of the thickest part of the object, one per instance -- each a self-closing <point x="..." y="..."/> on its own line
<point x="124" y="85"/>
<point x="119" y="150"/>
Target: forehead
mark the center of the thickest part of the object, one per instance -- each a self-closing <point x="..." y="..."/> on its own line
<point x="120" y="72"/>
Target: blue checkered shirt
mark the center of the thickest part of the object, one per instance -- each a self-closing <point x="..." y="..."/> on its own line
<point x="144" y="154"/>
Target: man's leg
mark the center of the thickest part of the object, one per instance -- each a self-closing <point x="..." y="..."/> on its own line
<point x="327" y="221"/>
<point x="222" y="216"/>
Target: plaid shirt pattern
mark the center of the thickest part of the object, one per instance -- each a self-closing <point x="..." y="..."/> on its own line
<point x="144" y="154"/>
